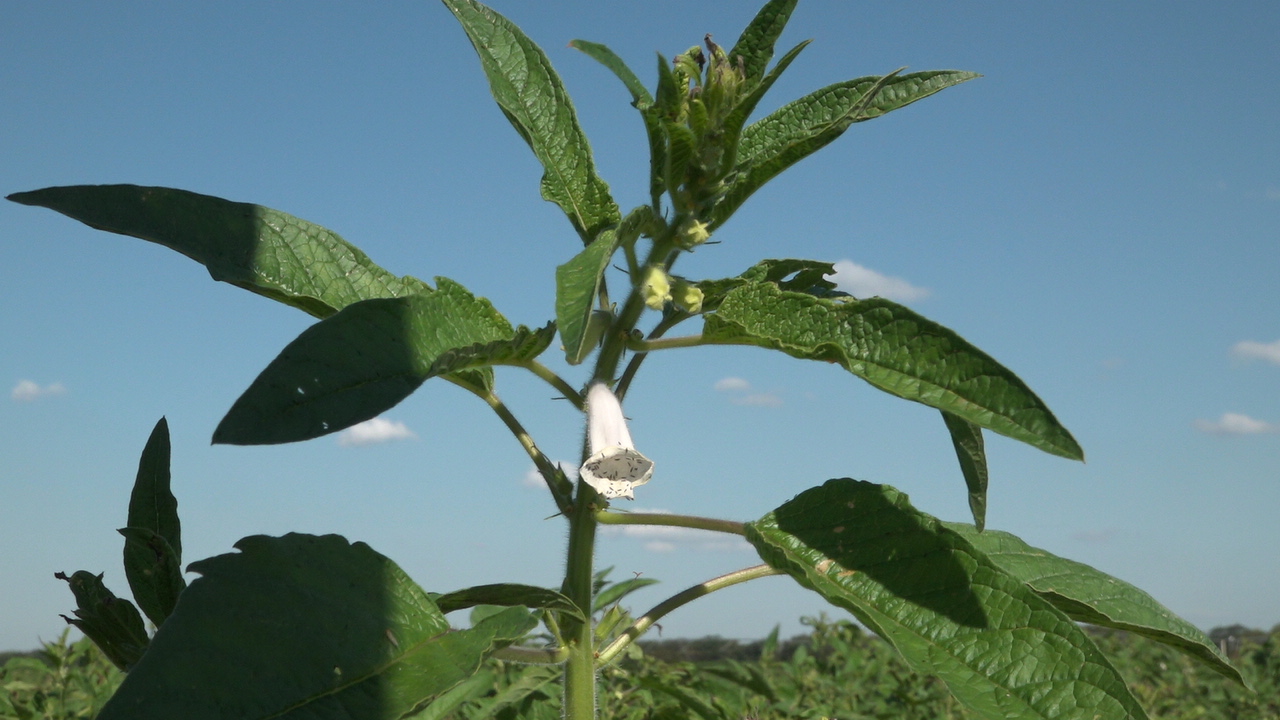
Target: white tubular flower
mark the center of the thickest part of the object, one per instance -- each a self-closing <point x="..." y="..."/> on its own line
<point x="615" y="467"/>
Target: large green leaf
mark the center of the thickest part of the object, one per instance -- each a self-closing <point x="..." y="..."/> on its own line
<point x="800" y="128"/>
<point x="895" y="350"/>
<point x="755" y="44"/>
<point x="971" y="451"/>
<point x="112" y="623"/>
<point x="359" y="363"/>
<point x="1003" y="650"/>
<point x="1090" y="596"/>
<point x="507" y="595"/>
<point x="153" y="538"/>
<point x="253" y="247"/>
<point x="534" y="100"/>
<point x="304" y="627"/>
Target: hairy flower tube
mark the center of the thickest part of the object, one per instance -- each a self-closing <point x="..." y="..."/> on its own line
<point x="614" y="468"/>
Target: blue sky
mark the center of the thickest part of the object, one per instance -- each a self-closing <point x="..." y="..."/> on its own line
<point x="1100" y="212"/>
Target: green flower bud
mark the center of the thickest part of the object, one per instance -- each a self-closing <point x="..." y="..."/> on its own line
<point x="656" y="288"/>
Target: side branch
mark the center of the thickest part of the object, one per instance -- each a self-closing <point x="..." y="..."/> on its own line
<point x="684" y="597"/>
<point x="688" y="521"/>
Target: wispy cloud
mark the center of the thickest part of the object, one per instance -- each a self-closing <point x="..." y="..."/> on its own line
<point x="29" y="391"/>
<point x="373" y="432"/>
<point x="740" y="393"/>
<point x="864" y="282"/>
<point x="1253" y="350"/>
<point x="1235" y="424"/>
<point x="665" y="539"/>
<point x="533" y="478"/>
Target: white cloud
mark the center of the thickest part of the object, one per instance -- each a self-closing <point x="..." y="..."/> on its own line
<point x="533" y="478"/>
<point x="864" y="282"/>
<point x="28" y="391"/>
<point x="1235" y="424"/>
<point x="732" y="384"/>
<point x="665" y="538"/>
<point x="1253" y="350"/>
<point x="373" y="432"/>
<point x="742" y="395"/>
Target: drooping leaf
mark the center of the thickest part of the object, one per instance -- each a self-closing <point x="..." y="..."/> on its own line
<point x="534" y="100"/>
<point x="894" y="349"/>
<point x="112" y="623"/>
<point x="507" y="595"/>
<point x="1003" y="650"/>
<point x="303" y="626"/>
<point x="359" y="363"/>
<point x="966" y="438"/>
<point x="800" y="128"/>
<point x="577" y="285"/>
<point x="1088" y="595"/>
<point x="256" y="248"/>
<point x="755" y="44"/>
<point x="154" y="572"/>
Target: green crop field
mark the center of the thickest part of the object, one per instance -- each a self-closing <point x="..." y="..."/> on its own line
<point x="836" y="671"/>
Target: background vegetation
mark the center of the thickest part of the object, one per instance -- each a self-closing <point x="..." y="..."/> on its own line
<point x="837" y="670"/>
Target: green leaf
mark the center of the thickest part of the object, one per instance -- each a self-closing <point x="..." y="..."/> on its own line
<point x="473" y="688"/>
<point x="153" y="538"/>
<point x="640" y="96"/>
<point x="616" y="591"/>
<point x="534" y="100"/>
<point x="361" y="362"/>
<point x="738" y="117"/>
<point x="642" y="101"/>
<point x="806" y="276"/>
<point x="304" y="627"/>
<point x="1004" y="651"/>
<point x="800" y="128"/>
<point x="971" y="452"/>
<point x="112" y="623"/>
<point x="523" y="346"/>
<point x="894" y="349"/>
<point x="154" y="572"/>
<point x="256" y="248"/>
<point x="755" y="45"/>
<point x="1088" y="595"/>
<point x="577" y="285"/>
<point x="507" y="595"/>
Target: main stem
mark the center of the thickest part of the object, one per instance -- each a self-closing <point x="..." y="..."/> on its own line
<point x="580" y="670"/>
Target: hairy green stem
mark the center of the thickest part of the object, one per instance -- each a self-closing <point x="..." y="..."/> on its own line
<point x="644" y="622"/>
<point x="557" y="483"/>
<point x="666" y="343"/>
<point x="633" y="366"/>
<point x="555" y="381"/>
<point x="687" y="521"/>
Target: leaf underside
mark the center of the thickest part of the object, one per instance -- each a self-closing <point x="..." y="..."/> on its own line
<point x="359" y="363"/>
<point x="894" y="349"/>
<point x="301" y="627"/>
<point x="250" y="246"/>
<point x="1004" y="651"/>
<point x="1088" y="595"/>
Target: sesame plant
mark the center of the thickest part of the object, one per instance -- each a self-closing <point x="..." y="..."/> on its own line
<point x="306" y="626"/>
